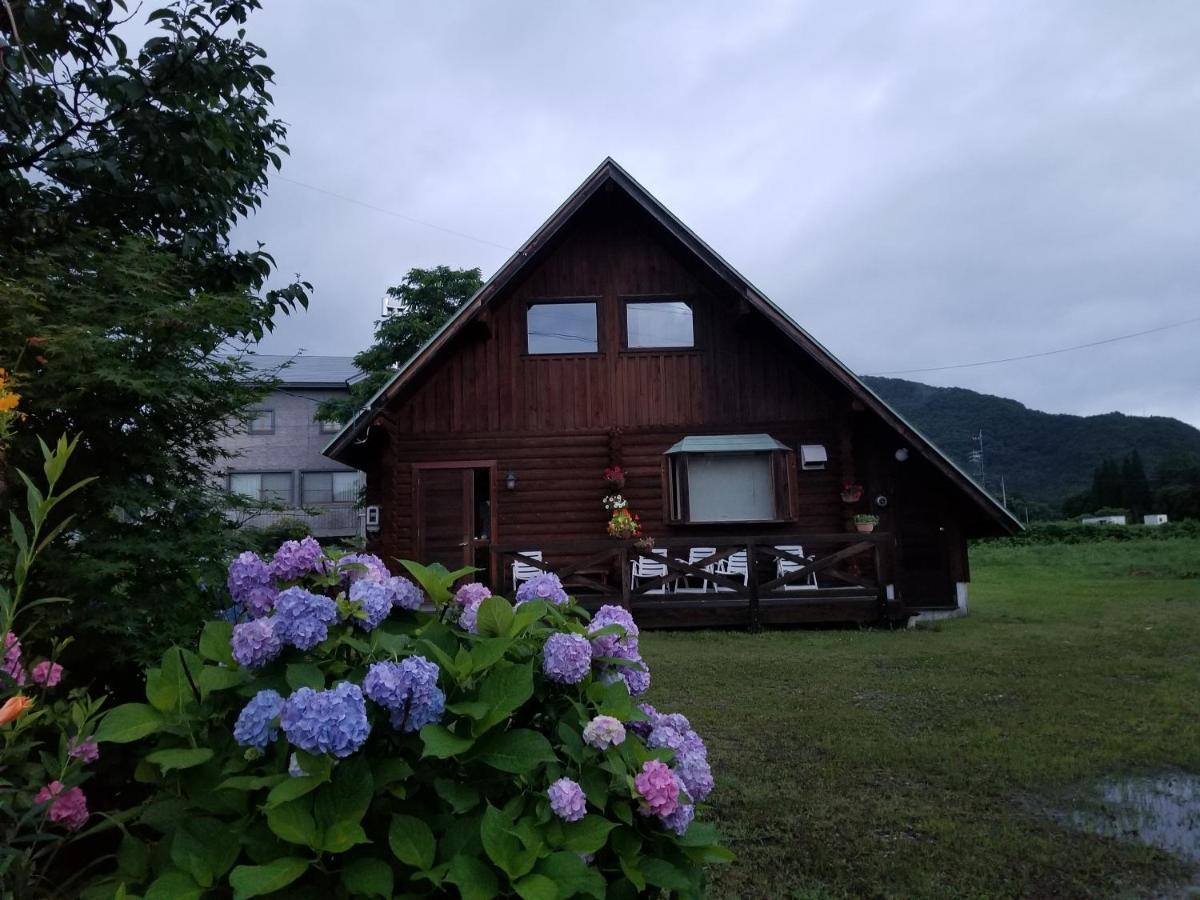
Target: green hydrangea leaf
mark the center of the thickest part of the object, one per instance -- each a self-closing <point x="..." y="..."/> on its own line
<point x="369" y="877"/>
<point x="215" y="642"/>
<point x="129" y="722"/>
<point x="495" y="617"/>
<point x="294" y="823"/>
<point x="305" y="675"/>
<point x="474" y="878"/>
<point x="180" y="759"/>
<point x="412" y="841"/>
<point x="254" y="881"/>
<point x="536" y="887"/>
<point x="587" y="835"/>
<point x="518" y="751"/>
<point x="572" y="875"/>
<point x="441" y="743"/>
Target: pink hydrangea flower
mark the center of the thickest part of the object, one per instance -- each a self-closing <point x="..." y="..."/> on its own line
<point x="86" y="750"/>
<point x="67" y="807"/>
<point x="658" y="789"/>
<point x="472" y="592"/>
<point x="47" y="673"/>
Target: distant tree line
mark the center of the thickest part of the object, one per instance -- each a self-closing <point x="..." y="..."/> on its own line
<point x="1122" y="486"/>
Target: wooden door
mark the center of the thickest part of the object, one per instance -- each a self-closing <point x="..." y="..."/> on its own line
<point x="445" y="516"/>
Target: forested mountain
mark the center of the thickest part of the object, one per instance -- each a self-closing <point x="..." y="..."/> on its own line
<point x="1045" y="457"/>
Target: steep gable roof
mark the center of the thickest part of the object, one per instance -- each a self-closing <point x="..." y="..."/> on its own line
<point x="610" y="173"/>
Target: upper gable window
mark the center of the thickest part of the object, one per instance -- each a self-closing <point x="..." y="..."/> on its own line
<point x="556" y="328"/>
<point x="654" y="324"/>
<point x="261" y="421"/>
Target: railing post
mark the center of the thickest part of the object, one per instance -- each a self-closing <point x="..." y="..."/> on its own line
<point x="626" y="577"/>
<point x="752" y="583"/>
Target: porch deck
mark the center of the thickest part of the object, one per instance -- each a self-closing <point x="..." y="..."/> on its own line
<point x="839" y="578"/>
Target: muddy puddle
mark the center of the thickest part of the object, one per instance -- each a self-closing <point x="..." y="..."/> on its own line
<point x="1162" y="811"/>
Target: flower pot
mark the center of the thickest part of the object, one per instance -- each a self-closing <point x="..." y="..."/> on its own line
<point x="864" y="527"/>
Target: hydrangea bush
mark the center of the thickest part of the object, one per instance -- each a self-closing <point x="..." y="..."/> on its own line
<point x="344" y="731"/>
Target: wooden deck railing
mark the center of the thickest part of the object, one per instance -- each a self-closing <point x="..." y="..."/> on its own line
<point x="833" y="567"/>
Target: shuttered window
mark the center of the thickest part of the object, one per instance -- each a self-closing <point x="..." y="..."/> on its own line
<point x="271" y="487"/>
<point x="329" y="487"/>
<point x="715" y="487"/>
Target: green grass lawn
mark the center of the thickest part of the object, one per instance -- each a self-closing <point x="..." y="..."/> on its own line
<point x="922" y="762"/>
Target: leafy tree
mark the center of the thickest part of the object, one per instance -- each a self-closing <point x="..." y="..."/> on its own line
<point x="426" y="298"/>
<point x="1177" y="491"/>
<point x="121" y="174"/>
<point x="1136" y="486"/>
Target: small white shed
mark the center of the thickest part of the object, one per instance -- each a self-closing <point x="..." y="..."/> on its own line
<point x="1156" y="519"/>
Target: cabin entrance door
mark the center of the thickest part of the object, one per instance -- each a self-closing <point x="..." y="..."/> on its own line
<point x="454" y="512"/>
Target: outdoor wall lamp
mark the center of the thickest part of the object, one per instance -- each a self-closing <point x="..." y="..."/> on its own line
<point x="510" y="480"/>
<point x="902" y="454"/>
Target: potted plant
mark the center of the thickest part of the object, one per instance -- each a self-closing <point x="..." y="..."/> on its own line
<point x="851" y="492"/>
<point x="865" y="522"/>
<point x="614" y="477"/>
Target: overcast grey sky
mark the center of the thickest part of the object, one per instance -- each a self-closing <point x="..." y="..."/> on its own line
<point x="918" y="184"/>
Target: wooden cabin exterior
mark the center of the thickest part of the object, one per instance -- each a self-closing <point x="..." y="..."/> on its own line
<point x="493" y="439"/>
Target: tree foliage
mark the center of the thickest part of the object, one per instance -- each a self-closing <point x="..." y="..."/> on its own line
<point x="425" y="300"/>
<point x="122" y="173"/>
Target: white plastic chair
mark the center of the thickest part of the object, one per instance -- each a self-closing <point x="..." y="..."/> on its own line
<point x="523" y="571"/>
<point x="735" y="565"/>
<point x="787" y="567"/>
<point x="695" y="556"/>
<point x="646" y="569"/>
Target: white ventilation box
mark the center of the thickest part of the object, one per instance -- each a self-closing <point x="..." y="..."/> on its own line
<point x="813" y="457"/>
<point x="372" y="518"/>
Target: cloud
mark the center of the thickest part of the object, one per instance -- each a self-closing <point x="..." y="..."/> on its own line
<point x="918" y="184"/>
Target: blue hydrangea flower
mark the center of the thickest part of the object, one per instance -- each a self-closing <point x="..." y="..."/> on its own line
<point x="567" y="800"/>
<point x="408" y="690"/>
<point x="356" y="567"/>
<point x="545" y="586"/>
<point x="468" y="620"/>
<point x="637" y="680"/>
<point x="691" y="756"/>
<point x="255" y="643"/>
<point x="332" y="721"/>
<point x="374" y="599"/>
<point x="567" y="658"/>
<point x="254" y="726"/>
<point x="405" y="594"/>
<point x="295" y="559"/>
<point x="680" y="820"/>
<point x="606" y="645"/>
<point x="303" y="618"/>
<point x="250" y="584"/>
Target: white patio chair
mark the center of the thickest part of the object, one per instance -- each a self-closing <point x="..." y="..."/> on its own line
<point x="523" y="571"/>
<point x="735" y="566"/>
<point x="787" y="567"/>
<point x="695" y="556"/>
<point x="646" y="569"/>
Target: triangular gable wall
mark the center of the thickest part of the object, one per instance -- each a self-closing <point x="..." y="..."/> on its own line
<point x="609" y="172"/>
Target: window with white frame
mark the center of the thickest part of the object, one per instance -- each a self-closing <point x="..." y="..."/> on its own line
<point x="271" y="487"/>
<point x="329" y="487"/>
<point x="658" y="324"/>
<point x="261" y="421"/>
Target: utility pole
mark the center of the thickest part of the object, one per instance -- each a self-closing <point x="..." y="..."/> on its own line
<point x="976" y="457"/>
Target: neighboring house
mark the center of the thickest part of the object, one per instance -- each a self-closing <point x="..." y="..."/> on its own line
<point x="615" y="336"/>
<point x="278" y="454"/>
<point x="1102" y="520"/>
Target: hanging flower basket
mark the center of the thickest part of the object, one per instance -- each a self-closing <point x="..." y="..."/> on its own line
<point x="614" y="477"/>
<point x="851" y="492"/>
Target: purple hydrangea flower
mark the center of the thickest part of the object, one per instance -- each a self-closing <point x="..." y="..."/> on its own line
<point x="695" y="775"/>
<point x="680" y="820"/>
<point x="333" y="721"/>
<point x="468" y="620"/>
<point x="606" y="645"/>
<point x="604" y="732"/>
<point x="375" y="600"/>
<point x="255" y="643"/>
<point x="254" y="724"/>
<point x="409" y="690"/>
<point x="472" y="592"/>
<point x="544" y="586"/>
<point x="658" y="788"/>
<point x="363" y="567"/>
<point x="567" y="800"/>
<point x="295" y="559"/>
<point x="637" y="680"/>
<point x="405" y="594"/>
<point x="250" y="584"/>
<point x="11" y="665"/>
<point x="303" y="618"/>
<point x="87" y="750"/>
<point x="567" y="658"/>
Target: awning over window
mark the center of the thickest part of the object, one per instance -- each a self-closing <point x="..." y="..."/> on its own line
<point x="727" y="443"/>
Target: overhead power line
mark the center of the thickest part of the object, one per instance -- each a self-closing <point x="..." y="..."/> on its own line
<point x="398" y="215"/>
<point x="1008" y="359"/>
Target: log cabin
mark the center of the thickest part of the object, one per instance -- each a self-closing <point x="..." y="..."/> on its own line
<point x="615" y="337"/>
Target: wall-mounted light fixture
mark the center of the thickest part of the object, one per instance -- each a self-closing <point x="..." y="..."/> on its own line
<point x="902" y="454"/>
<point x="510" y="480"/>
